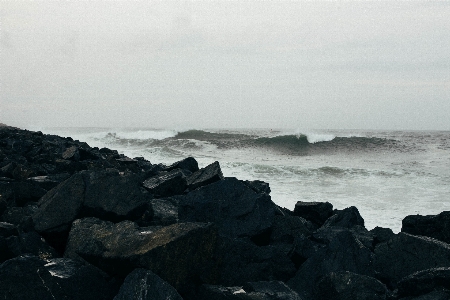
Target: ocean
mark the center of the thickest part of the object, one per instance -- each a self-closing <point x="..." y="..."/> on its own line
<point x="387" y="175"/>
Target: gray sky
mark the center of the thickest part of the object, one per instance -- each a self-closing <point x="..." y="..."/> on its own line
<point x="270" y="64"/>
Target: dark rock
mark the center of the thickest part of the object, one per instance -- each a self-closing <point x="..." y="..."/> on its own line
<point x="19" y="216"/>
<point x="167" y="184"/>
<point x="143" y="284"/>
<point x="25" y="277"/>
<point x="286" y="228"/>
<point x="79" y="281"/>
<point x="258" y="186"/>
<point x="60" y="206"/>
<point x="434" y="226"/>
<point x="366" y="237"/>
<point x="350" y="286"/>
<point x="316" y="212"/>
<point x="424" y="282"/>
<point x="342" y="252"/>
<point x="264" y="290"/>
<point x="104" y="194"/>
<point x="181" y="254"/>
<point x="205" y="176"/>
<point x="434" y="295"/>
<point x="405" y="254"/>
<point x="48" y="182"/>
<point x="7" y="229"/>
<point x="164" y="212"/>
<point x="189" y="164"/>
<point x="217" y="292"/>
<point x="31" y="243"/>
<point x="71" y="153"/>
<point x="348" y="218"/>
<point x="241" y="261"/>
<point x="270" y="290"/>
<point x="382" y="235"/>
<point x="5" y="253"/>
<point x="235" y="208"/>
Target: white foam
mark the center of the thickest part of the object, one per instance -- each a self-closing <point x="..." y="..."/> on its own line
<point x="146" y="134"/>
<point x="319" y="137"/>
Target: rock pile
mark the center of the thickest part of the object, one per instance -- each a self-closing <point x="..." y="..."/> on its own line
<point x="78" y="222"/>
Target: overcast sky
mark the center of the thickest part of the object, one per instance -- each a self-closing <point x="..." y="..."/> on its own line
<point x="215" y="64"/>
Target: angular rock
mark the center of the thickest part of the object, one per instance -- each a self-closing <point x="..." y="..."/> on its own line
<point x="48" y="182"/>
<point x="258" y="186"/>
<point x="316" y="212"/>
<point x="348" y="218"/>
<point x="405" y="254"/>
<point x="60" y="206"/>
<point x="235" y="208"/>
<point x="217" y="292"/>
<point x="181" y="254"/>
<point x="143" y="284"/>
<point x="382" y="235"/>
<point x="71" y="153"/>
<point x="342" y="253"/>
<point x="205" y="176"/>
<point x="346" y="285"/>
<point x="241" y="261"/>
<point x="434" y="226"/>
<point x="164" y="212"/>
<point x="286" y="228"/>
<point x="167" y="184"/>
<point x="424" y="282"/>
<point x="189" y="164"/>
<point x="31" y="243"/>
<point x="25" y="277"/>
<point x="7" y="229"/>
<point x="80" y="282"/>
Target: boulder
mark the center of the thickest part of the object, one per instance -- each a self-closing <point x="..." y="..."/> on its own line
<point x="48" y="182"/>
<point x="205" y="176"/>
<point x="189" y="164"/>
<point x="341" y="252"/>
<point x="167" y="184"/>
<point x="424" y="282"/>
<point x="434" y="226"/>
<point x="25" y="277"/>
<point x="164" y="212"/>
<point x="7" y="229"/>
<point x="236" y="209"/>
<point x="181" y="254"/>
<point x="346" y="285"/>
<point x="348" y="218"/>
<point x="381" y="235"/>
<point x="240" y="261"/>
<point x="143" y="284"/>
<point x="258" y="186"/>
<point x="79" y="281"/>
<point x="103" y="194"/>
<point x="405" y="254"/>
<point x="286" y="228"/>
<point x="31" y="243"/>
<point x="316" y="212"/>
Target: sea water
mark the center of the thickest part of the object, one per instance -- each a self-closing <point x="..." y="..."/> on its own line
<point x="387" y="175"/>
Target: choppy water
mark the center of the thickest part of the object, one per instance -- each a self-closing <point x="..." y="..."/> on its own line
<point x="386" y="175"/>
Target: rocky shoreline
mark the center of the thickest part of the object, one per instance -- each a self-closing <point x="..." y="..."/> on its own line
<point x="78" y="222"/>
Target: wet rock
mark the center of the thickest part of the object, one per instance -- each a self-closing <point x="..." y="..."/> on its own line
<point x="350" y="286"/>
<point x="143" y="284"/>
<point x="434" y="226"/>
<point x="181" y="254"/>
<point x="341" y="252"/>
<point x="79" y="281"/>
<point x="405" y="254"/>
<point x="424" y="282"/>
<point x="381" y="235"/>
<point x="48" y="182"/>
<point x="235" y="208"/>
<point x="241" y="261"/>
<point x="60" y="206"/>
<point x="316" y="212"/>
<point x="71" y="153"/>
<point x="31" y="243"/>
<point x="25" y="277"/>
<point x="167" y="184"/>
<point x="258" y="186"/>
<point x="218" y="292"/>
<point x="7" y="229"/>
<point x="164" y="212"/>
<point x="189" y="164"/>
<point x="348" y="218"/>
<point x="205" y="176"/>
<point x="286" y="228"/>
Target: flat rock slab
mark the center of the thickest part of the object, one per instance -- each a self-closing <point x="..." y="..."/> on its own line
<point x="205" y="176"/>
<point x="180" y="254"/>
<point x="167" y="184"/>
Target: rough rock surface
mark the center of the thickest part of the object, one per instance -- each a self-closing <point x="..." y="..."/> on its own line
<point x="434" y="226"/>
